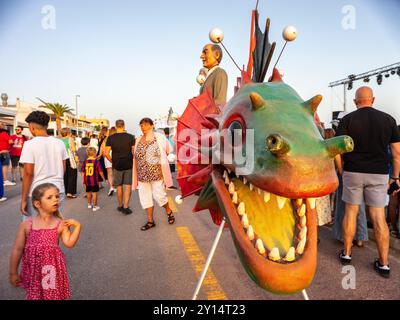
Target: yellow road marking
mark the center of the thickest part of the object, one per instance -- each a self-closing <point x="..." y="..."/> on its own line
<point x="172" y="205"/>
<point x="210" y="284"/>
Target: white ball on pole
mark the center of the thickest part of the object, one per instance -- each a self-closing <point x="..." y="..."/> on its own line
<point x="200" y="79"/>
<point x="216" y="35"/>
<point x="289" y="33"/>
<point x="178" y="199"/>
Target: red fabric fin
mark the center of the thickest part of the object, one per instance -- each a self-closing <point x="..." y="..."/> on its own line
<point x="213" y="119"/>
<point x="192" y="118"/>
<point x="201" y="177"/>
<point x="217" y="216"/>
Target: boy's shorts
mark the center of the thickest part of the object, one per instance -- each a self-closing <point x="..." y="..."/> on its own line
<point x="92" y="188"/>
<point x="15" y="161"/>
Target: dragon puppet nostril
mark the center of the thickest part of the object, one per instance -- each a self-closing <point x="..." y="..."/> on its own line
<point x="339" y="145"/>
<point x="277" y="145"/>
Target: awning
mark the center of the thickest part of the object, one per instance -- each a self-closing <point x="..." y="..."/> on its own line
<point x="5" y="112"/>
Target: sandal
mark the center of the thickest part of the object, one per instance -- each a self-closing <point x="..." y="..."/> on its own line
<point x="171" y="218"/>
<point x="148" y="226"/>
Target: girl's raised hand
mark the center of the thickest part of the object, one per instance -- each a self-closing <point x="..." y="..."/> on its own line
<point x="71" y="222"/>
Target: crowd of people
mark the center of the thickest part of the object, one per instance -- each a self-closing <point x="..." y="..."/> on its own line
<point x="125" y="162"/>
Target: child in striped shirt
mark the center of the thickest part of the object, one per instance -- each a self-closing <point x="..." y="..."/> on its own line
<point x="90" y="177"/>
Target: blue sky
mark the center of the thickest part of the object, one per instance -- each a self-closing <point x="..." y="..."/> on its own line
<point x="130" y="59"/>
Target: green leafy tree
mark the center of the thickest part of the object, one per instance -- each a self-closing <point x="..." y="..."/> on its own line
<point x="58" y="110"/>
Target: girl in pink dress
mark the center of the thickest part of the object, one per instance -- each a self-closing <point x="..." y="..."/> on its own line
<point x="43" y="273"/>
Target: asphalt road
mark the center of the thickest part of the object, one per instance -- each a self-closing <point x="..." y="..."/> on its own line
<point x="115" y="260"/>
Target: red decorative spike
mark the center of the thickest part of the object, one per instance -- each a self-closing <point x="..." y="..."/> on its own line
<point x="276" y="76"/>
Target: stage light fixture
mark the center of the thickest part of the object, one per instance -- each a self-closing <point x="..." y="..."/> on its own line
<point x="379" y="79"/>
<point x="350" y="85"/>
<point x="398" y="72"/>
<point x="393" y="72"/>
<point x="387" y="75"/>
<point x="366" y="80"/>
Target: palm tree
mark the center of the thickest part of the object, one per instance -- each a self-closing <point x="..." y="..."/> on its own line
<point x="58" y="111"/>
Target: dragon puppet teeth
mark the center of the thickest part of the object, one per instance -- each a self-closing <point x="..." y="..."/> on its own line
<point x="250" y="233"/>
<point x="299" y="202"/>
<point x="260" y="246"/>
<point x="225" y="174"/>
<point x="274" y="255"/>
<point x="227" y="181"/>
<point x="231" y="188"/>
<point x="291" y="255"/>
<point x="302" y="210"/>
<point x="300" y="246"/>
<point x="244" y="181"/>
<point x="303" y="233"/>
<point x="251" y="187"/>
<point x="267" y="196"/>
<point x="311" y="202"/>
<point x="229" y="171"/>
<point x="303" y="221"/>
<point x="245" y="221"/>
<point x="241" y="209"/>
<point x="235" y="198"/>
<point x="281" y="201"/>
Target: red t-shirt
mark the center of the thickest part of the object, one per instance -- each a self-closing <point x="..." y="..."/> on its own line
<point x="4" y="141"/>
<point x="16" y="148"/>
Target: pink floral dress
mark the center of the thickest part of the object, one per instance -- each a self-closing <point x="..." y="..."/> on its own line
<point x="44" y="272"/>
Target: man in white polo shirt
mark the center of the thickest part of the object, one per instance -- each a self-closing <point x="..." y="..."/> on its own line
<point x="44" y="158"/>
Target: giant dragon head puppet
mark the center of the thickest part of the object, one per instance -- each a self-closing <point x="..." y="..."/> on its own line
<point x="261" y="163"/>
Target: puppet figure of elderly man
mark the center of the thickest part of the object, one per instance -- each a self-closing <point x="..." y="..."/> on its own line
<point x="217" y="79"/>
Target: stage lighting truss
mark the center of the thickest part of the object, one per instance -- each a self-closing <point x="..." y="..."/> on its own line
<point x="366" y="76"/>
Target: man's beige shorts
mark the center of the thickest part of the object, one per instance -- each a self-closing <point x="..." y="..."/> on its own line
<point x="372" y="188"/>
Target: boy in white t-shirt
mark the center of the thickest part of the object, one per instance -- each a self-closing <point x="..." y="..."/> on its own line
<point x="44" y="158"/>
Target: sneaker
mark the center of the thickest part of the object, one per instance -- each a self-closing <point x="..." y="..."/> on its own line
<point x="344" y="259"/>
<point x="9" y="183"/>
<point x="126" y="210"/>
<point x="172" y="188"/>
<point x="120" y="209"/>
<point x="111" y="192"/>
<point x="96" y="208"/>
<point x="89" y="206"/>
<point x="3" y="199"/>
<point x="382" y="270"/>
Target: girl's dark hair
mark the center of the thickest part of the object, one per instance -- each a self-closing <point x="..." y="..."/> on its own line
<point x="38" y="193"/>
<point x="147" y="120"/>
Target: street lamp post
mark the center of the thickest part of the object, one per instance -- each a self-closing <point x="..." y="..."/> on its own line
<point x="77" y="116"/>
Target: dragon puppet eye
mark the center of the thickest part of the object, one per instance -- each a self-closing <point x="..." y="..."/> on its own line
<point x="235" y="131"/>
